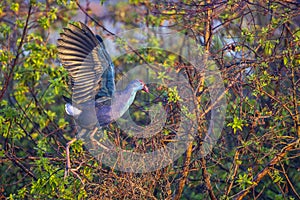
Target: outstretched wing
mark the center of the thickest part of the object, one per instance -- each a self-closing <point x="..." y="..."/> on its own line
<point x="85" y="58"/>
<point x="108" y="78"/>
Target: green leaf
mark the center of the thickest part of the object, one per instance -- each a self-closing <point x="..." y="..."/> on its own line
<point x="14" y="7"/>
<point x="236" y="124"/>
<point x="285" y="60"/>
<point x="2" y="153"/>
<point x="44" y="22"/>
<point x="173" y="95"/>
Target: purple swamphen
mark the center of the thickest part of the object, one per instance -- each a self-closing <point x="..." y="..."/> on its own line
<point x="91" y="71"/>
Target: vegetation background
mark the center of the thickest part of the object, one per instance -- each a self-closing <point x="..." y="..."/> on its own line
<point x="256" y="47"/>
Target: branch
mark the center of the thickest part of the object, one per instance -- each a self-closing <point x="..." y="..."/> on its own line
<point x="207" y="38"/>
<point x="185" y="172"/>
<point x="15" y="160"/>
<point x="96" y="22"/>
<point x="278" y="157"/>
<point x="10" y="75"/>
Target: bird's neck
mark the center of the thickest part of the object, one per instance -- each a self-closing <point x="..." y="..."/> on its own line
<point x="122" y="101"/>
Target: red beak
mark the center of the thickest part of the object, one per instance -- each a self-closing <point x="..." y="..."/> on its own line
<point x="145" y="88"/>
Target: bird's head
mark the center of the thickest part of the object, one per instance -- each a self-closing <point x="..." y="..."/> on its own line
<point x="140" y="85"/>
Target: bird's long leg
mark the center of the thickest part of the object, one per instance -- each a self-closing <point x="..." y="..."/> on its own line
<point x="68" y="162"/>
<point x="95" y="143"/>
<point x="92" y="135"/>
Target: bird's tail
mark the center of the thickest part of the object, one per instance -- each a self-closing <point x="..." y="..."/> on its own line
<point x="67" y="99"/>
<point x="70" y="109"/>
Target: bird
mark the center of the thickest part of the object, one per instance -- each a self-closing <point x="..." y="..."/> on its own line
<point x="92" y="73"/>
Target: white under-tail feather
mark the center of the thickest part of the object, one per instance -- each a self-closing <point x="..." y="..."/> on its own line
<point x="71" y="110"/>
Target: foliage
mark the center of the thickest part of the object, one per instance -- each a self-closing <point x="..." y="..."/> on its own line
<point x="255" y="46"/>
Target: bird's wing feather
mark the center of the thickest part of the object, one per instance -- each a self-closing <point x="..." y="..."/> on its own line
<point x="85" y="58"/>
<point x="108" y="78"/>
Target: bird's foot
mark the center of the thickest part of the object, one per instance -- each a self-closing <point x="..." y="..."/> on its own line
<point x="68" y="162"/>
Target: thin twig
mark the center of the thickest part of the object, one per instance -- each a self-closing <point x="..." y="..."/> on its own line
<point x="8" y="79"/>
<point x="278" y="157"/>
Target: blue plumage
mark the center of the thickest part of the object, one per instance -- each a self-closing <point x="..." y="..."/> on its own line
<point x="93" y="78"/>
